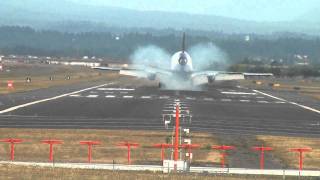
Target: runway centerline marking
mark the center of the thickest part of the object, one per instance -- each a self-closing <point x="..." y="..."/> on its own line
<point x="110" y="96"/>
<point x="50" y="99"/>
<point x="127" y="97"/>
<point x="145" y="97"/>
<point x="290" y="102"/>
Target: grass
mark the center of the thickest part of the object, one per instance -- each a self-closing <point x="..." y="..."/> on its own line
<point x="72" y="151"/>
<point x="40" y="76"/>
<point x="282" y="145"/>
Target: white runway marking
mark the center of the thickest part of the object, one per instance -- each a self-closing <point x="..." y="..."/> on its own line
<point x="260" y="97"/>
<point x="262" y="101"/>
<point x="145" y="97"/>
<point x="244" y="100"/>
<point x="115" y="89"/>
<point x="75" y="95"/>
<point x="190" y="98"/>
<point x="164" y="97"/>
<point x="280" y="99"/>
<point x="110" y="96"/>
<point x="92" y="96"/>
<point x="127" y="97"/>
<point x="280" y="102"/>
<point x="93" y="92"/>
<point x="237" y="93"/>
<point x="226" y="100"/>
<point x="50" y="99"/>
<point x="208" y="99"/>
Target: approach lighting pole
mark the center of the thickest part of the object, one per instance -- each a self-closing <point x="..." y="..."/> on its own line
<point x="128" y="145"/>
<point x="162" y="146"/>
<point x="189" y="147"/>
<point x="51" y="142"/>
<point x="223" y="154"/>
<point x="12" y="142"/>
<point x="176" y="142"/>
<point x="301" y="151"/>
<point x="262" y="149"/>
<point x="90" y="144"/>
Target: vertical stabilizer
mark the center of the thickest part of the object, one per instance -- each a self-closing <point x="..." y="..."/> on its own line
<point x="183" y="42"/>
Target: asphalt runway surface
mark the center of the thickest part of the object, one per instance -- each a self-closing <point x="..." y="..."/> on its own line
<point x="221" y="109"/>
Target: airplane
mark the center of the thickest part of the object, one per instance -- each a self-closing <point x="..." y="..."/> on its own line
<point x="181" y="74"/>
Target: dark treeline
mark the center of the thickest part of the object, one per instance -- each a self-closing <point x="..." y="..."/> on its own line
<point x="26" y="41"/>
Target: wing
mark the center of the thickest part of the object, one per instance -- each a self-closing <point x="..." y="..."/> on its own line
<point x="142" y="72"/>
<point x="204" y="77"/>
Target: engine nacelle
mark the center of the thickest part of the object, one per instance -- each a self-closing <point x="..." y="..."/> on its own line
<point x="210" y="79"/>
<point x="152" y="77"/>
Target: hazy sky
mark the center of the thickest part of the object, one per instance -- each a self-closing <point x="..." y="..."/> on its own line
<point x="258" y="10"/>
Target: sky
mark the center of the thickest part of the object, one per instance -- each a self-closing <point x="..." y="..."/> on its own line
<point x="256" y="10"/>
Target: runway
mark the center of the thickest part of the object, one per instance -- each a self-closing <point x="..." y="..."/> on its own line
<point x="220" y="109"/>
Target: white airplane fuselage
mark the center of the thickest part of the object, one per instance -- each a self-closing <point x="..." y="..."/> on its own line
<point x="181" y="65"/>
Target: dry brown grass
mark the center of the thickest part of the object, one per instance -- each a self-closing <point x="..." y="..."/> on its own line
<point x="71" y="151"/>
<point x="34" y="173"/>
<point x="41" y="79"/>
<point x="282" y="145"/>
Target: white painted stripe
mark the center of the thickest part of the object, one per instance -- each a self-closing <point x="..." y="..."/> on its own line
<point x="127" y="97"/>
<point x="238" y="93"/>
<point x="164" y="97"/>
<point x="226" y="100"/>
<point x="115" y="89"/>
<point x="50" y="99"/>
<point x="75" y="95"/>
<point x="110" y="96"/>
<point x="244" y="100"/>
<point x="93" y="92"/>
<point x="208" y="99"/>
<point x="260" y="97"/>
<point x="92" y="96"/>
<point x="262" y="101"/>
<point x="190" y="98"/>
<point x="280" y="102"/>
<point x="280" y="99"/>
<point x="145" y="97"/>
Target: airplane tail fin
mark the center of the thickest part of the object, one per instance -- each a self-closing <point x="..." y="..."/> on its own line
<point x="183" y="42"/>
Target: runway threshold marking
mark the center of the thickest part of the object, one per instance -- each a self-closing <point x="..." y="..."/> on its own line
<point x="50" y="99"/>
<point x="290" y="102"/>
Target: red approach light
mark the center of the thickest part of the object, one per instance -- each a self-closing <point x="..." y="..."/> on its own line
<point x="10" y="84"/>
<point x="223" y="154"/>
<point x="162" y="146"/>
<point x="301" y="151"/>
<point x="51" y="142"/>
<point x="261" y="149"/>
<point x="90" y="144"/>
<point x="128" y="145"/>
<point x="12" y="142"/>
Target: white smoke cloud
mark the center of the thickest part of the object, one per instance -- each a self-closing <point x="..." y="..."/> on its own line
<point x="151" y="56"/>
<point x="208" y="56"/>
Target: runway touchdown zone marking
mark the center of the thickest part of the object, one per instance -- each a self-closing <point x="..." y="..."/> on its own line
<point x="50" y="99"/>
